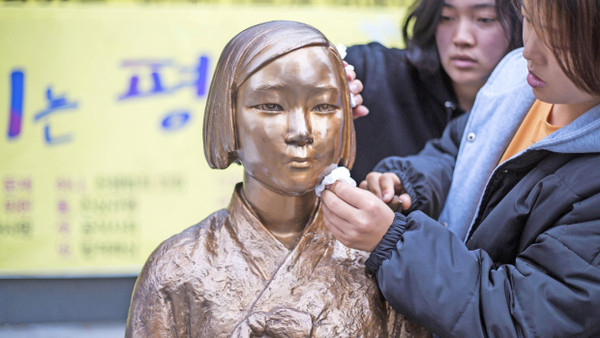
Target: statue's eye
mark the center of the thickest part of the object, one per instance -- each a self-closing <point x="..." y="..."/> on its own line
<point x="325" y="108"/>
<point x="269" y="107"/>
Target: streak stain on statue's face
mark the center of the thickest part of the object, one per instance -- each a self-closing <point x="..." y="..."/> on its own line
<point x="289" y="121"/>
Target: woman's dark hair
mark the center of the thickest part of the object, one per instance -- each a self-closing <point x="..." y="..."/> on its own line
<point x="421" y="23"/>
<point x="571" y="28"/>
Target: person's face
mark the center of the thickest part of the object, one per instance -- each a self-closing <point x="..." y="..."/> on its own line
<point x="289" y="121"/>
<point x="550" y="84"/>
<point x="470" y="40"/>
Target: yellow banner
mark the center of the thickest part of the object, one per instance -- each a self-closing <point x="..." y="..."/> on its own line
<point x="367" y="3"/>
<point x="101" y="152"/>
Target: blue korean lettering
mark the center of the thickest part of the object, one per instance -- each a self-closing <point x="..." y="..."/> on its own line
<point x="175" y="120"/>
<point x="15" y="119"/>
<point x="56" y="104"/>
<point x="147" y="77"/>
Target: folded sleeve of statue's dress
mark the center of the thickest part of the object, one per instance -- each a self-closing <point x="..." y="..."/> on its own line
<point x="152" y="312"/>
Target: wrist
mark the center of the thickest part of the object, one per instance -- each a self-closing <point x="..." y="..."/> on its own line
<point x="390" y="241"/>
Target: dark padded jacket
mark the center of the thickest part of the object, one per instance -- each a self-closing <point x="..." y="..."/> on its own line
<point x="530" y="266"/>
<point x="407" y="106"/>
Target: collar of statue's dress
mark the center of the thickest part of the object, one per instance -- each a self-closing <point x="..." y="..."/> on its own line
<point x="242" y="216"/>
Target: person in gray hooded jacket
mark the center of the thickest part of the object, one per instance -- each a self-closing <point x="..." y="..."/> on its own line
<point x="521" y="254"/>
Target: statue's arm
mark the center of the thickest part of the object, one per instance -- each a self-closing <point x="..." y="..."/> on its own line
<point x="150" y="313"/>
<point x="399" y="326"/>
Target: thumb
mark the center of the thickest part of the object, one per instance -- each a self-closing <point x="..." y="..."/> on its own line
<point x="405" y="200"/>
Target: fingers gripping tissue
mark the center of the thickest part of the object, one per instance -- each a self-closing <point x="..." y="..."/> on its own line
<point x="337" y="174"/>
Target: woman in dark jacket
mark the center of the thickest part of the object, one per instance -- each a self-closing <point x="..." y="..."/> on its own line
<point x="412" y="93"/>
<point x="530" y="262"/>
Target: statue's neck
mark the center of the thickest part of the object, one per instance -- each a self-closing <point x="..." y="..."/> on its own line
<point x="283" y="215"/>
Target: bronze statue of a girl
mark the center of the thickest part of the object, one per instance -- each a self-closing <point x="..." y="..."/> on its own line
<point x="266" y="265"/>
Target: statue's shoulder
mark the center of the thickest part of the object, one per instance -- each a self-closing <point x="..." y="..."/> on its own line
<point x="214" y="222"/>
<point x="177" y="251"/>
<point x="349" y="254"/>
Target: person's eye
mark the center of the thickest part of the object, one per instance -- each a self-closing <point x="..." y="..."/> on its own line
<point x="447" y="15"/>
<point x="445" y="18"/>
<point x="269" y="107"/>
<point x="325" y="108"/>
<point x="487" y="20"/>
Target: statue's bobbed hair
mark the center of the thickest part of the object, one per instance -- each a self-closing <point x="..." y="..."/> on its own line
<point x="245" y="54"/>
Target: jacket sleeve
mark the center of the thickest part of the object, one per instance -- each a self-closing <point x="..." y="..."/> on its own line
<point x="427" y="176"/>
<point x="552" y="290"/>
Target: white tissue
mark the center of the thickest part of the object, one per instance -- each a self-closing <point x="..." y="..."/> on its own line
<point x="341" y="48"/>
<point x="352" y="101"/>
<point x="337" y="174"/>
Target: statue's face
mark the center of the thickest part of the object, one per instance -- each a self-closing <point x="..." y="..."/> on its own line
<point x="289" y="121"/>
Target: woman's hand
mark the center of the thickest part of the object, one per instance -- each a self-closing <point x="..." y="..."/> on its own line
<point x="356" y="217"/>
<point x="356" y="87"/>
<point x="388" y="188"/>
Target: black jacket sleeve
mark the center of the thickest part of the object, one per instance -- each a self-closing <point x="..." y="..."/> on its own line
<point x="550" y="288"/>
<point x="427" y="176"/>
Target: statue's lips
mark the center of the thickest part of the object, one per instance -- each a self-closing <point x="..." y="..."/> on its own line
<point x="301" y="162"/>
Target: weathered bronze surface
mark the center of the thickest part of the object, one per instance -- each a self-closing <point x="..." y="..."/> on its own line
<point x="267" y="266"/>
